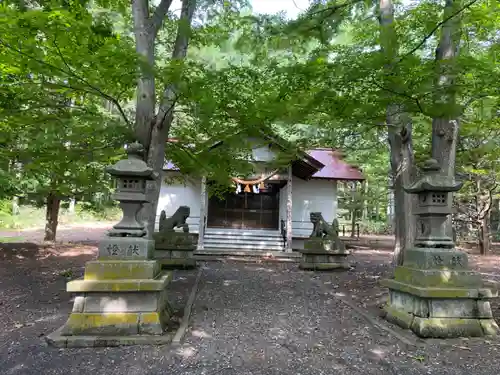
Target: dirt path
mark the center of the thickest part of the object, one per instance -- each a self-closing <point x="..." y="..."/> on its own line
<point x="90" y="232"/>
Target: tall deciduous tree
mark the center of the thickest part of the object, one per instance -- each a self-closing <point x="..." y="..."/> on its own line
<point x="399" y="130"/>
<point x="152" y="122"/>
<point x="445" y="122"/>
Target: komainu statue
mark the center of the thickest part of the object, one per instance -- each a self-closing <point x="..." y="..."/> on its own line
<point x="324" y="250"/>
<point x="177" y="220"/>
<point x="175" y="249"/>
<point x="321" y="228"/>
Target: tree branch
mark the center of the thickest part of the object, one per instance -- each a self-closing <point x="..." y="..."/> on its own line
<point x="81" y="79"/>
<point x="71" y="73"/>
<point x="436" y="28"/>
<point x="403" y="94"/>
<point x="159" y="15"/>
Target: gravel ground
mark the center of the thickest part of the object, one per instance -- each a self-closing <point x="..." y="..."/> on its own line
<point x="247" y="319"/>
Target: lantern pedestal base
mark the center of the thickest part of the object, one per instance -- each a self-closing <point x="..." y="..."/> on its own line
<point x="118" y="302"/>
<point x="446" y="311"/>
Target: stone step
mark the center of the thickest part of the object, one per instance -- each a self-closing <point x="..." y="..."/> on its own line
<point x="245" y="236"/>
<point x="245" y="241"/>
<point x="230" y="245"/>
<point x="210" y="254"/>
<point x="243" y="232"/>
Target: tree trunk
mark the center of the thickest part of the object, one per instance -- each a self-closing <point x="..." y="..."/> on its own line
<point x="15" y="205"/>
<point x="399" y="129"/>
<point x="484" y="204"/>
<point x="390" y="205"/>
<point x="402" y="167"/>
<point x="51" y="216"/>
<point x="498" y="215"/>
<point x="364" y="200"/>
<point x="445" y="120"/>
<point x="484" y="235"/>
<point x="17" y="168"/>
<point x="72" y="206"/>
<point x="144" y="46"/>
<point x="150" y="129"/>
<point x="165" y="116"/>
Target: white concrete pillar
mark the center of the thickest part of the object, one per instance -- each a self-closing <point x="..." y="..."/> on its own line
<point x="289" y="211"/>
<point x="203" y="212"/>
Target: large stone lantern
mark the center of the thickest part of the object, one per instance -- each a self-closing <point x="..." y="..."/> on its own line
<point x="129" y="238"/>
<point x="434" y="293"/>
<point x="433" y="206"/>
<point x="122" y="298"/>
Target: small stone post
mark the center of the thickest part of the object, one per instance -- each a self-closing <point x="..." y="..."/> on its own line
<point x="434" y="293"/>
<point x="122" y="298"/>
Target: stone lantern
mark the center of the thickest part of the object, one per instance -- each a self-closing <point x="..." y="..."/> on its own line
<point x="433" y="206"/>
<point x="131" y="175"/>
<point x="122" y="298"/>
<point x="434" y="293"/>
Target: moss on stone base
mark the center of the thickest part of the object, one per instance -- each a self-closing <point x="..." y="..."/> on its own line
<point x="438" y="278"/>
<point x="117" y="324"/>
<point x="130" y="285"/>
<point x="398" y="317"/>
<point x="490" y="327"/>
<point x="446" y="327"/>
<point x="121" y="269"/>
<point x="102" y="324"/>
<point x="441" y="327"/>
<point x="437" y="292"/>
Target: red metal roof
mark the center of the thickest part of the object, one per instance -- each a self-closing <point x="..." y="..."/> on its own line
<point x="335" y="168"/>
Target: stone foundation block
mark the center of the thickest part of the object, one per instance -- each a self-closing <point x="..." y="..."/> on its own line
<point x="59" y="341"/>
<point x="490" y="327"/>
<point x="174" y="240"/>
<point x="118" y="307"/>
<point x="122" y="302"/>
<point x="439" y="292"/>
<point x="154" y="323"/>
<point x="117" y="324"/>
<point x="120" y="314"/>
<point x="175" y="250"/>
<point x="101" y="324"/>
<point x="326" y="245"/>
<point x="446" y="327"/>
<point x="130" y="285"/>
<point x="456" y="308"/>
<point x="397" y="316"/>
<point x="408" y="303"/>
<point x="439" y="278"/>
<point x="121" y="269"/>
<point x="440" y="316"/>
<point x="319" y="259"/>
<point x="435" y="258"/>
